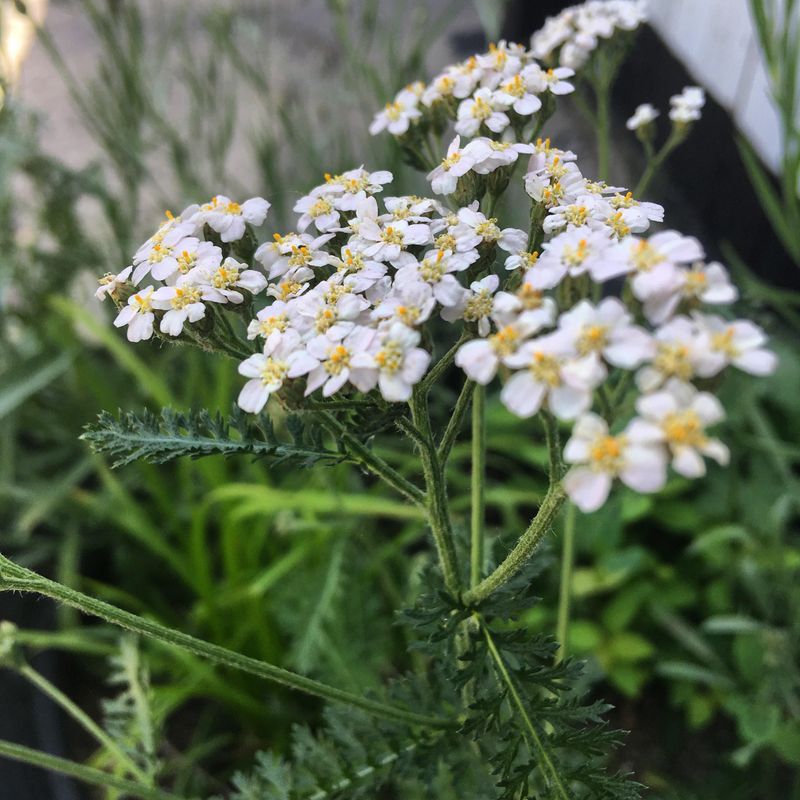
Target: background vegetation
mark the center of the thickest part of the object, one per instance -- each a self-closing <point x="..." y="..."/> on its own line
<point x="686" y="606"/>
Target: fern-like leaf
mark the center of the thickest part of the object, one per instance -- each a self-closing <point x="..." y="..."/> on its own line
<point x="172" y="434"/>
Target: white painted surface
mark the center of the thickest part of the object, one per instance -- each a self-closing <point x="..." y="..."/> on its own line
<point x="716" y="41"/>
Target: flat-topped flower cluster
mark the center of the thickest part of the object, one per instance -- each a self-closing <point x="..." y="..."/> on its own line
<point x="571" y="37"/>
<point x="581" y="316"/>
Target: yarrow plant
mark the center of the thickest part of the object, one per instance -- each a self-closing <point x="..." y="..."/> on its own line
<point x="596" y="322"/>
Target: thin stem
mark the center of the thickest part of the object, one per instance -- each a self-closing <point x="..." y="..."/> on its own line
<point x="82" y="718"/>
<point x="441" y="365"/>
<point x="436" y="494"/>
<point x="455" y="422"/>
<point x="565" y="590"/>
<point x="523" y="550"/>
<point x="105" y="780"/>
<point x="371" y="461"/>
<point x="14" y="577"/>
<point x="655" y="162"/>
<point x="531" y="734"/>
<point x="603" y="127"/>
<point x="477" y="485"/>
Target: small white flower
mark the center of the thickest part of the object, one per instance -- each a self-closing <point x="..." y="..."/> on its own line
<point x="398" y="115"/>
<point x="331" y="307"/>
<point x="520" y="91"/>
<point x="456" y="163"/>
<point x="476" y="305"/>
<point x="111" y="284"/>
<point x="396" y="364"/>
<point x="704" y="283"/>
<point x="644" y="115"/>
<point x="268" y="371"/>
<point x="352" y="186"/>
<point x="686" y="106"/>
<point x="599" y="458"/>
<point x="411" y="303"/>
<point x="305" y="251"/>
<point x="184" y="303"/>
<point x="228" y="217"/>
<point x="271" y="322"/>
<point x="436" y="270"/>
<point x="224" y="282"/>
<point x="481" y="358"/>
<point x="607" y="330"/>
<point x="483" y="108"/>
<point x="587" y="210"/>
<point x="138" y="315"/>
<point x="360" y="272"/>
<point x="327" y="361"/>
<point x="489" y="155"/>
<point x="740" y="343"/>
<point x="320" y="210"/>
<point x="549" y="373"/>
<point x="292" y="284"/>
<point x="575" y="252"/>
<point x="679" y="416"/>
<point x="552" y="80"/>
<point x="170" y="232"/>
<point x="683" y="351"/>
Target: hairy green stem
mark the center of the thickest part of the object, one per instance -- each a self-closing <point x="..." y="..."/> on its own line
<point x="565" y="590"/>
<point x="603" y="131"/>
<point x="371" y="461"/>
<point x="531" y="734"/>
<point x="83" y="719"/>
<point x="523" y="550"/>
<point x="441" y="365"/>
<point x="478" y="479"/>
<point x="455" y="422"/>
<point x="96" y="777"/>
<point x="14" y="577"/>
<point x="436" y="494"/>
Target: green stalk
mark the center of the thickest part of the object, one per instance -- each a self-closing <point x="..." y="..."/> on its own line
<point x="537" y="530"/>
<point x="455" y="422"/>
<point x="565" y="590"/>
<point x="371" y="461"/>
<point x="531" y="734"/>
<point x="524" y="549"/>
<point x="436" y="494"/>
<point x="14" y="577"/>
<point x="478" y="480"/>
<point x="105" y="780"/>
<point x="603" y="127"/>
<point x="82" y="718"/>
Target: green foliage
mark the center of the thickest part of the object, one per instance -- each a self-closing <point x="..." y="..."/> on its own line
<point x="158" y="439"/>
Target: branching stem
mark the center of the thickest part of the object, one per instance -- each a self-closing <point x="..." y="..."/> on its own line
<point x="478" y="479"/>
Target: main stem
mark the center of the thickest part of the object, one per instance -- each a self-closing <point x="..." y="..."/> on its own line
<point x="14" y="577"/>
<point x="537" y="530"/>
<point x="565" y="590"/>
<point x="478" y="485"/>
<point x="436" y="494"/>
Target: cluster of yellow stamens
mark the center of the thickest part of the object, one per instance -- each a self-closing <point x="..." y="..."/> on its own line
<point x="390" y="357"/>
<point x="672" y="360"/>
<point x="645" y="256"/>
<point x="684" y="428"/>
<point x="338" y="359"/>
<point x="546" y="368"/>
<point x="274" y="371"/>
<point x="593" y="338"/>
<point x="431" y="270"/>
<point x="185" y="296"/>
<point x="478" y="306"/>
<point x="605" y="454"/>
<point x="505" y="341"/>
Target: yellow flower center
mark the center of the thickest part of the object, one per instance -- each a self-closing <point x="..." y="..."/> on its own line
<point x="408" y="315"/>
<point x="531" y="298"/>
<point x="280" y="322"/>
<point x="545" y="368"/>
<point x="645" y="256"/>
<point x="478" y="306"/>
<point x="575" y="256"/>
<point x="618" y="225"/>
<point x="592" y="339"/>
<point x="224" y="277"/>
<point x="338" y="359"/>
<point x="325" y="319"/>
<point x="352" y="262"/>
<point x="605" y="454"/>
<point x="394" y="110"/>
<point x="673" y="360"/>
<point x="392" y="235"/>
<point x="488" y="230"/>
<point x="446" y="241"/>
<point x="684" y="428"/>
<point x="320" y="207"/>
<point x="186" y="261"/>
<point x="185" y="296"/>
<point x="515" y="87"/>
<point x="723" y="342"/>
<point x="300" y="256"/>
<point x="481" y="110"/>
<point x="233" y="208"/>
<point x="143" y="302"/>
<point x="623" y="201"/>
<point x="450" y="161"/>
<point x="432" y="270"/>
<point x="575" y="215"/>
<point x="390" y="357"/>
<point x="505" y="341"/>
<point x="274" y="371"/>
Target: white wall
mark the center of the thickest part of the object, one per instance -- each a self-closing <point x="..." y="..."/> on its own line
<point x="716" y="41"/>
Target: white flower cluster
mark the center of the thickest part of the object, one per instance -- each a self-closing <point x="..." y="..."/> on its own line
<point x="345" y="303"/>
<point x="571" y="37"/>
<point x="192" y="270"/>
<point x="684" y="109"/>
<point x="487" y="93"/>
